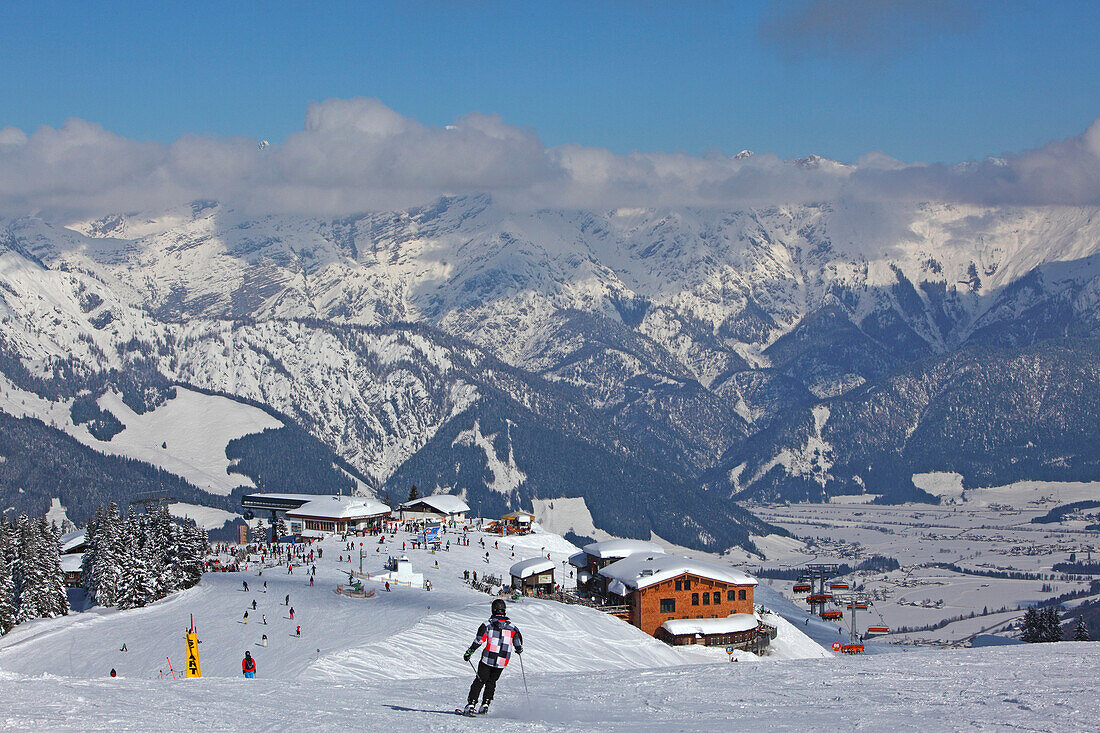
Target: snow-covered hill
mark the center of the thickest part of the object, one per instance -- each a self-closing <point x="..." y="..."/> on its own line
<point x="394" y="660"/>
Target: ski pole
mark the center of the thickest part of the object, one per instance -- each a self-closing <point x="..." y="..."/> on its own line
<point x="524" y="675"/>
<point x="475" y="671"/>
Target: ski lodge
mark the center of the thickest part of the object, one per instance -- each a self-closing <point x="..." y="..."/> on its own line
<point x="533" y="577"/>
<point x="675" y="599"/>
<point x="336" y="514"/>
<point x="436" y="508"/>
<point x="516" y="522"/>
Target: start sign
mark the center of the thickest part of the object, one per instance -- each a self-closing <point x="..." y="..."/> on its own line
<point x="193" y="667"/>
<point x="836" y="646"/>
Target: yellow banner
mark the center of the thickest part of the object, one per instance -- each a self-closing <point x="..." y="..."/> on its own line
<point x="193" y="667"/>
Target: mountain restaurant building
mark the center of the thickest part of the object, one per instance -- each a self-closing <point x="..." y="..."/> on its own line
<point x="336" y="515"/>
<point x="659" y="588"/>
<point x="597" y="555"/>
<point x="534" y="576"/>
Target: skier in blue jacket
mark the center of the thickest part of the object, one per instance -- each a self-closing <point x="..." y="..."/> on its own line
<point x="500" y="637"/>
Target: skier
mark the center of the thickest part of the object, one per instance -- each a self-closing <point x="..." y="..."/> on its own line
<point x="253" y="604"/>
<point x="500" y="637"/>
<point x="246" y="617"/>
<point x="265" y="586"/>
<point x="298" y="632"/>
<point x="311" y="581"/>
<point x="286" y="601"/>
<point x="292" y="613"/>
<point x="248" y="665"/>
<point x="265" y="619"/>
<point x="245" y="586"/>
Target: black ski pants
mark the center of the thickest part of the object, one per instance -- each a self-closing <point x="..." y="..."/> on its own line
<point x="485" y="675"/>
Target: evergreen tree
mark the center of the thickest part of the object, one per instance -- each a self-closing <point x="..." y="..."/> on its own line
<point x="1050" y="629"/>
<point x="1030" y="626"/>
<point x="8" y="607"/>
<point x="1081" y="632"/>
<point x="31" y="584"/>
<point x="414" y="493"/>
<point x="280" y="528"/>
<point x="137" y="585"/>
<point x="107" y="570"/>
<point x="55" y="599"/>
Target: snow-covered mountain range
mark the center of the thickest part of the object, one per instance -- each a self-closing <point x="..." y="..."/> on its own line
<point x="654" y="362"/>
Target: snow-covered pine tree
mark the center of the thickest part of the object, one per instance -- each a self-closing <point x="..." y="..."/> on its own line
<point x="31" y="579"/>
<point x="55" y="599"/>
<point x="138" y="583"/>
<point x="91" y="548"/>
<point x="1029" y="626"/>
<point x="1081" y="632"/>
<point x="194" y="544"/>
<point x="8" y="607"/>
<point x="280" y="528"/>
<point x="108" y="568"/>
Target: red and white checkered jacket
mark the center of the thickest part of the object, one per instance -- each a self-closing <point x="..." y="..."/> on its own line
<point x="500" y="636"/>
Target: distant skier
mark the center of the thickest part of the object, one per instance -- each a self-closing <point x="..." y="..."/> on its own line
<point x="500" y="637"/>
<point x="311" y="581"/>
<point x="246" y="617"/>
<point x="265" y="619"/>
<point x="253" y="604"/>
<point x="245" y="586"/>
<point x="248" y="665"/>
<point x="298" y="632"/>
<point x="113" y="672"/>
<point x="265" y="585"/>
<point x="286" y="601"/>
<point x="292" y="613"/>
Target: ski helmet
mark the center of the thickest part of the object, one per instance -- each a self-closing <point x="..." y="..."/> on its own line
<point x="499" y="607"/>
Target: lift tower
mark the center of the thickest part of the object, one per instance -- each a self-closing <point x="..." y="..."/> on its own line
<point x="816" y="574"/>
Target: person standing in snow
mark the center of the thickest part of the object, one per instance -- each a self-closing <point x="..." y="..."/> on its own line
<point x="245" y="586"/>
<point x="253" y="604"/>
<point x="286" y="601"/>
<point x="246" y="617"/>
<point x="292" y="613"/>
<point x="248" y="665"/>
<point x="500" y="637"/>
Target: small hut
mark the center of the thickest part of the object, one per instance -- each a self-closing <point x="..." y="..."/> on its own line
<point x="516" y="522"/>
<point x="533" y="577"/>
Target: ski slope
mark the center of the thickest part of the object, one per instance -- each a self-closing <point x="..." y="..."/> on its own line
<point x="394" y="661"/>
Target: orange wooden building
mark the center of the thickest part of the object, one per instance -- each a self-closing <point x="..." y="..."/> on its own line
<point x="659" y="587"/>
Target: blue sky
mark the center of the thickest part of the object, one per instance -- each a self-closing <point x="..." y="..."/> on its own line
<point x="963" y="81"/>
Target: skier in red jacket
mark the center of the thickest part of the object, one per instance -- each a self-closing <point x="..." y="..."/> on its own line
<point x="500" y="637"/>
<point x="248" y="665"/>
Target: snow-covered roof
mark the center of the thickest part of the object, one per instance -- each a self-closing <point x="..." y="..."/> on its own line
<point x="340" y="507"/>
<point x="72" y="540"/>
<point x="579" y="559"/>
<point x="622" y="548"/>
<point x="534" y="566"/>
<point x="617" y="588"/>
<point x="443" y="503"/>
<point x="640" y="571"/>
<point x="71" y="563"/>
<point x="732" y="624"/>
<point x="520" y="516"/>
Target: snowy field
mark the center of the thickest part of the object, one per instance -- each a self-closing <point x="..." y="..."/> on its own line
<point x="394" y="662"/>
<point x="980" y="530"/>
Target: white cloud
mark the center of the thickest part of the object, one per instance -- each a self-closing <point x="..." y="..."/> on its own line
<point x="357" y="155"/>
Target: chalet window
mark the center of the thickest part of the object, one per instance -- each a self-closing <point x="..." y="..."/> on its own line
<point x="731" y="595"/>
<point x="706" y="599"/>
<point x="679" y="585"/>
<point x="695" y="599"/>
<point x="717" y="597"/>
<point x="668" y="605"/>
<point x="741" y="595"/>
<point x="687" y="583"/>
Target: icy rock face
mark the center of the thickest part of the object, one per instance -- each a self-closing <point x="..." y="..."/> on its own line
<point x="697" y="340"/>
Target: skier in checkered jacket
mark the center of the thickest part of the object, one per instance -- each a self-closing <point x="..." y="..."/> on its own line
<point x="500" y="637"/>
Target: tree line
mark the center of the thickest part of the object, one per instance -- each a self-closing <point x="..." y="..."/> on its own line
<point x="134" y="559"/>
<point x="32" y="583"/>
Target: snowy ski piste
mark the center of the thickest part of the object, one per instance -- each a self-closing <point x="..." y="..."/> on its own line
<point x="394" y="662"/>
